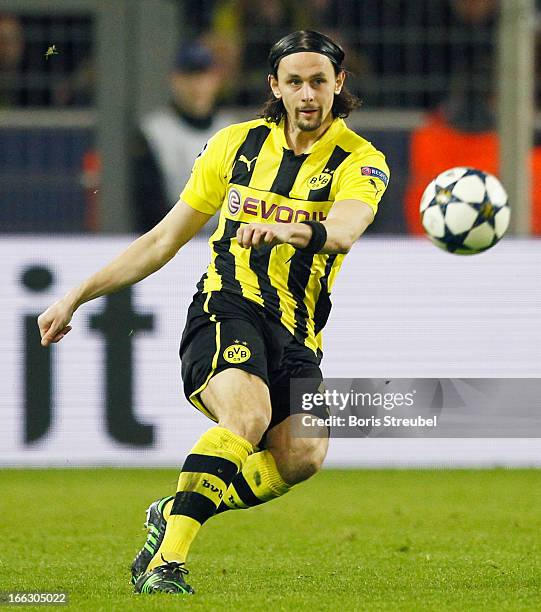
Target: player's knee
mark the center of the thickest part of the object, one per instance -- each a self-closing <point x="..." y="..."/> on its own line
<point x="250" y="425"/>
<point x="303" y="459"/>
<point x="241" y="403"/>
<point x="315" y="451"/>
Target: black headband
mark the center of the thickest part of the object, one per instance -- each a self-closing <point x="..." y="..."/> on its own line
<point x="307" y="41"/>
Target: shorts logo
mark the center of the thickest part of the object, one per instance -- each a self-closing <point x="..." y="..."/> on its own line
<point x="318" y="181"/>
<point x="237" y="353"/>
<point x="371" y="171"/>
<point x="233" y="201"/>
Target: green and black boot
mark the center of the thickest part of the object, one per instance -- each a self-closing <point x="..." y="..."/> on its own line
<point x="166" y="578"/>
<point x="155" y="525"/>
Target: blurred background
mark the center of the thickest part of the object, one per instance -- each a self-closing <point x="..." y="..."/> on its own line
<point x="105" y="105"/>
<point x="88" y="142"/>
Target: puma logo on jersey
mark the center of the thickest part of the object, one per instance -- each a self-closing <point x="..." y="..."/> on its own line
<point x="247" y="161"/>
<point x="373" y="182"/>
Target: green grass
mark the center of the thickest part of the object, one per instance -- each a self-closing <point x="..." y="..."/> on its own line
<point x="346" y="540"/>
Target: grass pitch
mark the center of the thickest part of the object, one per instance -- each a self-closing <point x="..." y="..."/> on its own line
<point x="346" y="540"/>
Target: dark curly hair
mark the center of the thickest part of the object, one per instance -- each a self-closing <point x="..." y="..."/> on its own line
<point x="308" y="40"/>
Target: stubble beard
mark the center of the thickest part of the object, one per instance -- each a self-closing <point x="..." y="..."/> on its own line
<point x="310" y="126"/>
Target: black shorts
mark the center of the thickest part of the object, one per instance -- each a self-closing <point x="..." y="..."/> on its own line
<point x="225" y="330"/>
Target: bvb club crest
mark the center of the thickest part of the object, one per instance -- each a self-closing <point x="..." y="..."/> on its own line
<point x="318" y="181"/>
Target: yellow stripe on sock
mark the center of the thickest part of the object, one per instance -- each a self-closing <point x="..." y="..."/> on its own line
<point x="209" y="485"/>
<point x="263" y="478"/>
<point x="233" y="500"/>
<point x="271" y="481"/>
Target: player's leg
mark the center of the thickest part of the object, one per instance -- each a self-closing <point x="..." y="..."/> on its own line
<point x="286" y="459"/>
<point x="257" y="483"/>
<point x="238" y="399"/>
<point x="268" y="474"/>
<point x="208" y="470"/>
<point x="225" y="393"/>
<point x="240" y="402"/>
<point x="297" y="458"/>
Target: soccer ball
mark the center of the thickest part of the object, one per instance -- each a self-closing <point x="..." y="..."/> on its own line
<point x="465" y="211"/>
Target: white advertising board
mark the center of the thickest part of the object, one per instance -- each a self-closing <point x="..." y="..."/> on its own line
<point x="401" y="308"/>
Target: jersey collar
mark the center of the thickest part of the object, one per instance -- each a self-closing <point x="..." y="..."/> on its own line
<point x="332" y="132"/>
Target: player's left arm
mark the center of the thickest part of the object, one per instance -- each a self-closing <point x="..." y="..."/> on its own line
<point x="346" y="221"/>
<point x="360" y="186"/>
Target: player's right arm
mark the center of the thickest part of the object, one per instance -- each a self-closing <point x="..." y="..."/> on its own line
<point x="143" y="257"/>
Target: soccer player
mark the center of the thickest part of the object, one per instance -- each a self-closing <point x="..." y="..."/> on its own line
<point x="295" y="190"/>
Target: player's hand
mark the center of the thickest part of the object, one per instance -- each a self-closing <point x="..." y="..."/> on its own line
<point x="263" y="234"/>
<point x="54" y="322"/>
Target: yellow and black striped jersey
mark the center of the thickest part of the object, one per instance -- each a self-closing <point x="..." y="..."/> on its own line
<point x="249" y="172"/>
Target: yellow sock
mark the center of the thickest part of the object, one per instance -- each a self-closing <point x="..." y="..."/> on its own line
<point x="206" y="474"/>
<point x="266" y="485"/>
<point x="258" y="483"/>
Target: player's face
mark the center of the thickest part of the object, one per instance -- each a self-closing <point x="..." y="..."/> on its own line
<point x="307" y="85"/>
